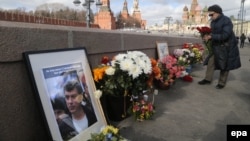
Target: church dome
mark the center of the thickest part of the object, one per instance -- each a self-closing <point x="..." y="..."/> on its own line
<point x="185" y="8"/>
<point x="205" y="9"/>
<point x="198" y="8"/>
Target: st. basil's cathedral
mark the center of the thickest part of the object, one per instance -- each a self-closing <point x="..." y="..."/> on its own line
<point x="196" y="15"/>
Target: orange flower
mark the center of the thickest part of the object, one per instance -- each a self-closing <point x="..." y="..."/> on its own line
<point x="153" y="62"/>
<point x="99" y="72"/>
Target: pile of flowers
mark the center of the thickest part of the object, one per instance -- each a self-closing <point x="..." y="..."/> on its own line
<point x="206" y="31"/>
<point x="167" y="70"/>
<point x="142" y="110"/>
<point x="197" y="49"/>
<point x="109" y="133"/>
<point x="125" y="74"/>
<point x="184" y="57"/>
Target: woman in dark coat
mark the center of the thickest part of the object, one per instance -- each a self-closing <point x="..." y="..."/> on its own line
<point x="225" y="52"/>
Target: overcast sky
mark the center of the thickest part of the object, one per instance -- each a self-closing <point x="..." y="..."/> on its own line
<point x="154" y="11"/>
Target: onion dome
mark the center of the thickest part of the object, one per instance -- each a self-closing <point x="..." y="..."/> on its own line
<point x="185" y="8"/>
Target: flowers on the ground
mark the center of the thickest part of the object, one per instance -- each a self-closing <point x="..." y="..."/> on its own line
<point x="170" y="70"/>
<point x="206" y="31"/>
<point x="126" y="73"/>
<point x="187" y="78"/>
<point x="142" y="110"/>
<point x="184" y="57"/>
<point x="197" y="49"/>
<point x="109" y="133"/>
<point x="156" y="72"/>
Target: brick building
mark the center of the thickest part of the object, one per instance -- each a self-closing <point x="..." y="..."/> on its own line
<point x="106" y="20"/>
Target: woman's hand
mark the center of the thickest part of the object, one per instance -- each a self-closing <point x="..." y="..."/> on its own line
<point x="207" y="37"/>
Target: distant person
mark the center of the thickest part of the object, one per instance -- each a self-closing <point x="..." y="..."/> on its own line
<point x="225" y="52"/>
<point x="82" y="116"/>
<point x="242" y="40"/>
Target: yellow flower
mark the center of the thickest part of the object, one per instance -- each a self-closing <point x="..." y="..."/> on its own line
<point x="110" y="129"/>
<point x="99" y="72"/>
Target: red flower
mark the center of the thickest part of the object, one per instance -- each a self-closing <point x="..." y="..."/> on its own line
<point x="188" y="78"/>
<point x="204" y="30"/>
<point x="105" y="60"/>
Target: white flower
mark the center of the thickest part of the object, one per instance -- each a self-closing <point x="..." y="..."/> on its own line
<point x="183" y="73"/>
<point x="148" y="66"/>
<point x="178" y="52"/>
<point x="110" y="71"/>
<point x="192" y="54"/>
<point x="184" y="59"/>
<point x="186" y="50"/>
<point x="112" y="63"/>
<point x="120" y="57"/>
<point x="98" y="94"/>
<point x="135" y="71"/>
<point x="126" y="65"/>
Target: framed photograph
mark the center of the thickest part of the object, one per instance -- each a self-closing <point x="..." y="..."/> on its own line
<point x="64" y="86"/>
<point x="162" y="49"/>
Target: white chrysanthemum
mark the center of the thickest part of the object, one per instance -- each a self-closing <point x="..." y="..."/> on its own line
<point x="192" y="54"/>
<point x="184" y="59"/>
<point x="183" y="73"/>
<point x="135" y="71"/>
<point x="139" y="53"/>
<point x="120" y="57"/>
<point x="186" y="50"/>
<point x="110" y="71"/>
<point x="131" y="54"/>
<point x="147" y="69"/>
<point x="98" y="94"/>
<point x="148" y="66"/>
<point x="112" y="63"/>
<point x="126" y="65"/>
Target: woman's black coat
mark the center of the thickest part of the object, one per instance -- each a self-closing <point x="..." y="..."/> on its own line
<point x="224" y="44"/>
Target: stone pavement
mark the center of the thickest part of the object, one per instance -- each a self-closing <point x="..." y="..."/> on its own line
<point x="192" y="112"/>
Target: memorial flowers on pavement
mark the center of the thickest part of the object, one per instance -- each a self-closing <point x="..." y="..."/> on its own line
<point x="184" y="57"/>
<point x="109" y="133"/>
<point x="197" y="49"/>
<point x="142" y="110"/>
<point x="126" y="73"/>
<point x="169" y="69"/>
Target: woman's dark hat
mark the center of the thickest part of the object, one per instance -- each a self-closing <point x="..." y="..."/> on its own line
<point x="216" y="8"/>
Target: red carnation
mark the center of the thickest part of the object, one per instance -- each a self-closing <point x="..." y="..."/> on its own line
<point x="188" y="78"/>
<point x="105" y="60"/>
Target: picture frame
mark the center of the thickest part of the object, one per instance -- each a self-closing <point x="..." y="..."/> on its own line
<point x="162" y="49"/>
<point x="51" y="71"/>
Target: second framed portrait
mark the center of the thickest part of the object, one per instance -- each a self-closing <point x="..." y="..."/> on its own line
<point x="162" y="49"/>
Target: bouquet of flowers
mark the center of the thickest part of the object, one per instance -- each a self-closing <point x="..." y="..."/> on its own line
<point x="184" y="57"/>
<point x="197" y="49"/>
<point x="126" y="73"/>
<point x="142" y="110"/>
<point x="205" y="31"/>
<point x="109" y="133"/>
<point x="170" y="70"/>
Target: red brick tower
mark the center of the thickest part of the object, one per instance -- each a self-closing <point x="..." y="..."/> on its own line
<point x="105" y="17"/>
<point x="124" y="12"/>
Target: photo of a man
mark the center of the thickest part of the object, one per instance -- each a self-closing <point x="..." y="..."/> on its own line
<point x="70" y="99"/>
<point x="82" y="114"/>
